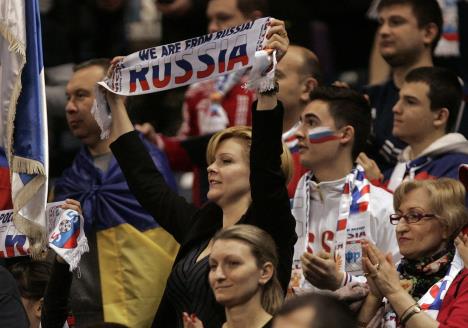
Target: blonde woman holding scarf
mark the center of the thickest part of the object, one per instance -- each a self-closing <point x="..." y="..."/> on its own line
<point x="247" y="186"/>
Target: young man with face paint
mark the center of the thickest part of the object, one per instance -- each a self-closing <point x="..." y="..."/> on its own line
<point x="335" y="206"/>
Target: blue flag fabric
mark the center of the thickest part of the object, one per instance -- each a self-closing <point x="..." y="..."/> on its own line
<point x="105" y="198"/>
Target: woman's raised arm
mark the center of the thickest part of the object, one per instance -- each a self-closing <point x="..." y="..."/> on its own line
<point x="277" y="39"/>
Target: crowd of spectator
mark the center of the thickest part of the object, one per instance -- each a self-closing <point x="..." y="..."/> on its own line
<point x="336" y="199"/>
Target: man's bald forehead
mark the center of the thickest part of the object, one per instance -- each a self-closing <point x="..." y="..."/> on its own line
<point x="305" y="53"/>
<point x="307" y="61"/>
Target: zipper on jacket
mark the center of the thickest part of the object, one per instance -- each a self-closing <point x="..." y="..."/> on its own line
<point x="320" y="193"/>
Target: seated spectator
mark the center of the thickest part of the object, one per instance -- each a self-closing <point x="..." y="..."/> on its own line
<point x="426" y="111"/>
<point x="243" y="264"/>
<point x="314" y="311"/>
<point x="428" y="288"/>
<point x="335" y="206"/>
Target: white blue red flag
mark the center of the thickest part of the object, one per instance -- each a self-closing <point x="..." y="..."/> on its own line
<point x="66" y="234"/>
<point x="321" y="134"/>
<point x="290" y="139"/>
<point x="23" y="114"/>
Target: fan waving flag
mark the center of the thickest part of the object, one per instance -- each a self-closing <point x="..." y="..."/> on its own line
<point x="23" y="114"/>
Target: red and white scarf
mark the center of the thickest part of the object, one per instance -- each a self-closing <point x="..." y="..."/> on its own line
<point x="355" y="199"/>
<point x="430" y="302"/>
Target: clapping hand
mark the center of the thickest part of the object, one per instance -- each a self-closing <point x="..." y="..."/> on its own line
<point x="321" y="271"/>
<point x="380" y="271"/>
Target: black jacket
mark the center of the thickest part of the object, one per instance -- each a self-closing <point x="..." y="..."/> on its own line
<point x="190" y="226"/>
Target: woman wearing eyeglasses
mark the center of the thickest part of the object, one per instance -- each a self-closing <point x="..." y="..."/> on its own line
<point x="428" y="287"/>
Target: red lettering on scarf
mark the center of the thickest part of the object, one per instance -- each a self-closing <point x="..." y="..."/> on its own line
<point x="327" y="236"/>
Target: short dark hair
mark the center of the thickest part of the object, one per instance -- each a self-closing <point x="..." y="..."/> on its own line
<point x="445" y="90"/>
<point x="425" y="11"/>
<point x="329" y="312"/>
<point x="247" y="7"/>
<point x="104" y="63"/>
<point x="31" y="277"/>
<point x="347" y="107"/>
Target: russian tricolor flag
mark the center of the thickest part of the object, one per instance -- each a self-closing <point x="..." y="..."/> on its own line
<point x="321" y="134"/>
<point x="360" y="196"/>
<point x="23" y="115"/>
<point x="290" y="139"/>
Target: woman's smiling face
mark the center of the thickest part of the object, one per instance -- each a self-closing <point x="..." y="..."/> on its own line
<point x="229" y="174"/>
<point x="234" y="273"/>
<point x="422" y="238"/>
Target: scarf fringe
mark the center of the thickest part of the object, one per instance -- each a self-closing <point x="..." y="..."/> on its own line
<point x="26" y="165"/>
<point x="74" y="258"/>
<point x="19" y="48"/>
<point x="15" y="45"/>
<point x="262" y="79"/>
<point x="101" y="113"/>
<point x="262" y="84"/>
<point x="35" y="232"/>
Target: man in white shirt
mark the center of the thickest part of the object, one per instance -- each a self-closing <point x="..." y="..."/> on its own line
<point x="335" y="206"/>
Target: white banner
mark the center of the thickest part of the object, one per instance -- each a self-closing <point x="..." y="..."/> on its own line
<point x="66" y="234"/>
<point x="12" y="242"/>
<point x="192" y="60"/>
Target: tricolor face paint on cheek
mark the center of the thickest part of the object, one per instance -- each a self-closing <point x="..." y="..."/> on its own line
<point x="321" y="134"/>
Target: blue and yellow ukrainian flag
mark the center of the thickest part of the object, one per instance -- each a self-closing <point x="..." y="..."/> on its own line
<point x="135" y="254"/>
